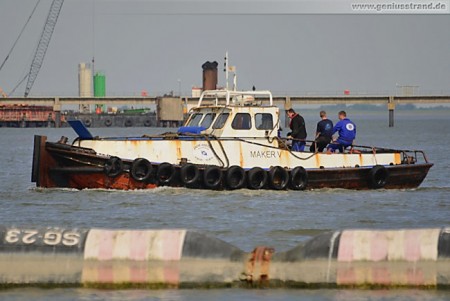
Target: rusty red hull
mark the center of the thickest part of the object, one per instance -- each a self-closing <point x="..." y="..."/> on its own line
<point x="61" y="165"/>
<point x="399" y="177"/>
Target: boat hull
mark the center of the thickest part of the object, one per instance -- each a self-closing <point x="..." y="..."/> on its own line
<point x="404" y="176"/>
<point x="62" y="165"/>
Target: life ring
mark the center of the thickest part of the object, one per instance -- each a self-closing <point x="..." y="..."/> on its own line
<point x="298" y="179"/>
<point x="113" y="167"/>
<point x="87" y="122"/>
<point x="108" y="122"/>
<point x="256" y="178"/>
<point x="147" y="122"/>
<point x="189" y="174"/>
<point x="278" y="177"/>
<point x="128" y="122"/>
<point x="165" y="173"/>
<point x="212" y="177"/>
<point x="378" y="176"/>
<point x="141" y="169"/>
<point x="235" y="177"/>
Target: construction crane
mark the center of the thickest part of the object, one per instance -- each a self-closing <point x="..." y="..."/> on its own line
<point x="44" y="41"/>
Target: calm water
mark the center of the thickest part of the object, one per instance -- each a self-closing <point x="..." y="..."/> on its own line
<point x="244" y="218"/>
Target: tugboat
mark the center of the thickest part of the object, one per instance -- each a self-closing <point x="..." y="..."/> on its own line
<point x="229" y="141"/>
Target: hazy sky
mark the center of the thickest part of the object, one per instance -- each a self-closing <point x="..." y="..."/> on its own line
<point x="286" y="53"/>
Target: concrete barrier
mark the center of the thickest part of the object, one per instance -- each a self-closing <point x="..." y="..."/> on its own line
<point x="184" y="258"/>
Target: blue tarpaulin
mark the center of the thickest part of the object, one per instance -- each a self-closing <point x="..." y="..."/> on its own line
<point x="191" y="129"/>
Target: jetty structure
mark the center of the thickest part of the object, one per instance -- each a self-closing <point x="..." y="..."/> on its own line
<point x="230" y="140"/>
<point x="58" y="118"/>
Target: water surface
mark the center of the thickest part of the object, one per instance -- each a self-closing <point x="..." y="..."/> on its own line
<point x="244" y="218"/>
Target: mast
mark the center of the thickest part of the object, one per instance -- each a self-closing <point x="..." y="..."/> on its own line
<point x="227" y="69"/>
<point x="225" y="66"/>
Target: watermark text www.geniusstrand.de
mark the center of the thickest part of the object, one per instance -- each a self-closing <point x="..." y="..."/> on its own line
<point x="416" y="7"/>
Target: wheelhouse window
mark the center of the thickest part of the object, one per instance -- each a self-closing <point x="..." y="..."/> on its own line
<point x="220" y="121"/>
<point x="264" y="121"/>
<point x="242" y="121"/>
<point x="195" y="119"/>
<point x="209" y="118"/>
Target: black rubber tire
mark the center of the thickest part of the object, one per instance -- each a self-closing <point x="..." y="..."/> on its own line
<point x="108" y="122"/>
<point x="165" y="173"/>
<point x="87" y="122"/>
<point x="378" y="176"/>
<point x="212" y="177"/>
<point x="278" y="177"/>
<point x="113" y="167"/>
<point x="235" y="177"/>
<point x="128" y="122"/>
<point x="256" y="178"/>
<point x="147" y="122"/>
<point x="141" y="169"/>
<point x="298" y="179"/>
<point x="189" y="174"/>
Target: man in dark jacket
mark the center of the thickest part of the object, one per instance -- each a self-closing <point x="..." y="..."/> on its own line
<point x="298" y="131"/>
<point x="324" y="133"/>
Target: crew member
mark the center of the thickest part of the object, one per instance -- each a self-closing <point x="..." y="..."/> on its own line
<point x="298" y="131"/>
<point x="347" y="133"/>
<point x="324" y="133"/>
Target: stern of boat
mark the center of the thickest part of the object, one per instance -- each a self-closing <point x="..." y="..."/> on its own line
<point x="41" y="163"/>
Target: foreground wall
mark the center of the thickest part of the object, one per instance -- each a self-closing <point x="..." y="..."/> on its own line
<point x="184" y="258"/>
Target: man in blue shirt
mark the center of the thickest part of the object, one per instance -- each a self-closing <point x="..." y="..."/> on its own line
<point x="347" y="133"/>
<point x="324" y="133"/>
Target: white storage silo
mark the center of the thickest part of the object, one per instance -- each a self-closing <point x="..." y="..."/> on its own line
<point x="84" y="84"/>
<point x="85" y="80"/>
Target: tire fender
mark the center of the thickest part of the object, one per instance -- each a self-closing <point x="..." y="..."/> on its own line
<point x="298" y="179"/>
<point x="147" y="122"/>
<point x="189" y="174"/>
<point x="378" y="176"/>
<point x="278" y="177"/>
<point x="165" y="173"/>
<point x="212" y="177"/>
<point x="113" y="167"/>
<point x="256" y="178"/>
<point x="235" y="177"/>
<point x="141" y="169"/>
<point x="87" y="122"/>
<point x="128" y="122"/>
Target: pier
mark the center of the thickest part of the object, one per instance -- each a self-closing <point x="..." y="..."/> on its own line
<point x="57" y="102"/>
<point x="286" y="101"/>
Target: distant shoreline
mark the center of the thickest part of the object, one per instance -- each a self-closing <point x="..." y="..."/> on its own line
<point x="401" y="108"/>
